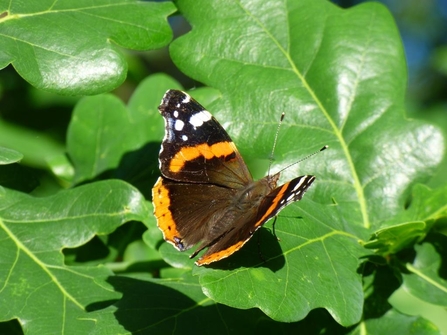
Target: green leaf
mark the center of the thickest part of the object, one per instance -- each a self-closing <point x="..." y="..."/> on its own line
<point x="70" y="47"/>
<point x="396" y="323"/>
<point x="37" y="148"/>
<point x="157" y="314"/>
<point x="313" y="265"/>
<point x="9" y="156"/>
<point x="408" y="304"/>
<point x="434" y="114"/>
<point x="439" y="59"/>
<point x="392" y="239"/>
<point x="46" y="296"/>
<point x="340" y="81"/>
<point x="61" y="167"/>
<point x="340" y="76"/>
<point x="427" y="206"/>
<point x="103" y="129"/>
<point x="424" y="280"/>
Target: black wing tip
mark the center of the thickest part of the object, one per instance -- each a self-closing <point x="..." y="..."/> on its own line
<point x="173" y="97"/>
<point x="309" y="180"/>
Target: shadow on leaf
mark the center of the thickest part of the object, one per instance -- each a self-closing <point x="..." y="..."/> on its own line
<point x="150" y="306"/>
<point x="262" y="251"/>
<point x="139" y="168"/>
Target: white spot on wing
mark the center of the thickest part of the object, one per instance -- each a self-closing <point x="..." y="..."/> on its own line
<point x="199" y="118"/>
<point x="184" y="138"/>
<point x="297" y="186"/>
<point x="178" y="125"/>
<point x="176" y="114"/>
<point x="186" y="99"/>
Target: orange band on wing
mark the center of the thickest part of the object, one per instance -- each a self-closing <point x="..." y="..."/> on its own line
<point x="165" y="221"/>
<point x="217" y="256"/>
<point x="220" y="149"/>
<point x="273" y="206"/>
<point x="232" y="249"/>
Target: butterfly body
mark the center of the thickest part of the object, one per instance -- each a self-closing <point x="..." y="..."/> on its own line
<point x="206" y="194"/>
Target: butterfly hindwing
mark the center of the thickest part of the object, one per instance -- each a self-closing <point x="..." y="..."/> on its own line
<point x="270" y="206"/>
<point x="188" y="213"/>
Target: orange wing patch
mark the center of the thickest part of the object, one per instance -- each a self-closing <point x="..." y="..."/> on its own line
<point x="217" y="256"/>
<point x="165" y="221"/>
<point x="220" y="149"/>
<point x="273" y="206"/>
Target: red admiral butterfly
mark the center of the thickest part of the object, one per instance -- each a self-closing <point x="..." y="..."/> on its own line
<point x="206" y="194"/>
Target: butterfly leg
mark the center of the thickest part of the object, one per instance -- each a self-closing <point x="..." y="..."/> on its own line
<point x="261" y="256"/>
<point x="273" y="229"/>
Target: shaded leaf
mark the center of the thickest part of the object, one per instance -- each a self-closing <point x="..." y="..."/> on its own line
<point x="173" y="305"/>
<point x="18" y="177"/>
<point x="424" y="281"/>
<point x="36" y="148"/>
<point x="439" y="60"/>
<point x="380" y="282"/>
<point x="396" y="323"/>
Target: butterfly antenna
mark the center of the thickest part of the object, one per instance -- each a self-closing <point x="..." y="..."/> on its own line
<point x="274" y="141"/>
<point x="304" y="158"/>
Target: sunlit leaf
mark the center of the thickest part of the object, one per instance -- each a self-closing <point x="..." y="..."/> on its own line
<point x="71" y="46"/>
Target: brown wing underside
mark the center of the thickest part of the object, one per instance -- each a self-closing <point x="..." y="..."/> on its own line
<point x="189" y="214"/>
<point x="192" y="213"/>
<point x="270" y="206"/>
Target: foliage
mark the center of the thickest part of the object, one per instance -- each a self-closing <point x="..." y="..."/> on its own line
<point x="73" y="258"/>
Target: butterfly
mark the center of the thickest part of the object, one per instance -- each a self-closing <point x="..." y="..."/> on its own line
<point x="206" y="194"/>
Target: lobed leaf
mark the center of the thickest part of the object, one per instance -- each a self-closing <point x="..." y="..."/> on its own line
<point x="340" y="77"/>
<point x="46" y="296"/>
<point x="71" y="46"/>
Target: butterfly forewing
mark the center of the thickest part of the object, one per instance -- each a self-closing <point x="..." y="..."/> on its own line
<point x="196" y="149"/>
